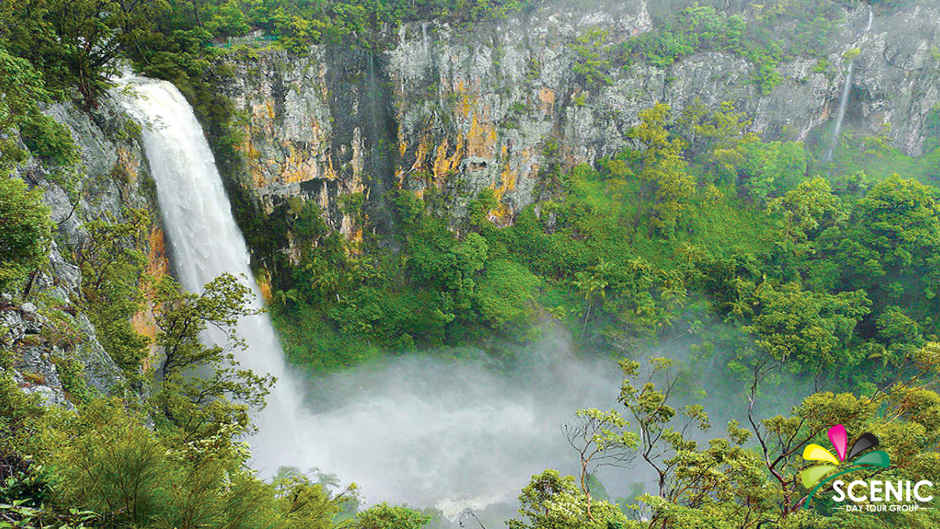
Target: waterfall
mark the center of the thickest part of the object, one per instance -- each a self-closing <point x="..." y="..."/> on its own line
<point x="424" y="40"/>
<point x="424" y="430"/>
<point x="205" y="242"/>
<point x="844" y="100"/>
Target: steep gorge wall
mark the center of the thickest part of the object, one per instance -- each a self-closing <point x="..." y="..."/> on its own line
<point x="51" y="329"/>
<point x="460" y="112"/>
<point x="451" y="111"/>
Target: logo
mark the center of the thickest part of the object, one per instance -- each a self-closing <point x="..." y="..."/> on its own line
<point x="874" y="495"/>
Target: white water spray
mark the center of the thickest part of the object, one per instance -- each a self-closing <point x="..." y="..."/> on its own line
<point x="840" y="117"/>
<point x="452" y="434"/>
<point x="206" y="243"/>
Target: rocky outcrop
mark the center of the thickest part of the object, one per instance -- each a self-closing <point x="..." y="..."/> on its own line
<point x="895" y="86"/>
<point x="460" y="111"/>
<point x="53" y="342"/>
<point x="306" y="128"/>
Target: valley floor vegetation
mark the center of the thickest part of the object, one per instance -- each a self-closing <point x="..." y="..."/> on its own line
<point x="770" y="261"/>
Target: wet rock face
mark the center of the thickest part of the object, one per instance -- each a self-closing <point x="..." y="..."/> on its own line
<point x="468" y="110"/>
<point x="896" y="75"/>
<point x="477" y="110"/>
<point x="47" y="328"/>
<point x="300" y="135"/>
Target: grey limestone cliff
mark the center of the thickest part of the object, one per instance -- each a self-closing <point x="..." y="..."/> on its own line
<point x="462" y="110"/>
<point x="46" y="328"/>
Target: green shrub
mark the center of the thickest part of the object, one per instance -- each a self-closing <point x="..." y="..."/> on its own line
<point x="384" y="516"/>
<point x="48" y="139"/>
<point x="26" y="231"/>
<point x="114" y="466"/>
<point x="592" y="58"/>
<point x="772" y="168"/>
<point x="506" y="294"/>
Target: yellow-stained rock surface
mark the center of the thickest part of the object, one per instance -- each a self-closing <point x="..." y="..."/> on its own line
<point x="158" y="265"/>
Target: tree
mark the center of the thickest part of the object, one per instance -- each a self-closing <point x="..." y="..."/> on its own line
<point x="21" y="90"/>
<point x="807" y="211"/>
<point x="592" y="63"/>
<point x="506" y="293"/>
<point x="304" y="504"/>
<point x="662" y="440"/>
<point x="772" y="168"/>
<point x="197" y="380"/>
<point x="112" y="269"/>
<point x="384" y="516"/>
<point x="593" y="286"/>
<point x="25" y="230"/>
<point x="891" y="247"/>
<point x="113" y="465"/>
<point x="731" y="483"/>
<point x="715" y="137"/>
<point x="74" y="42"/>
<point x="662" y="167"/>
<point x="599" y="440"/>
<point x="813" y="329"/>
<point x="553" y="501"/>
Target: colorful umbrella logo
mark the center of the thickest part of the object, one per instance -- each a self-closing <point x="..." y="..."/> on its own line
<point x="858" y="457"/>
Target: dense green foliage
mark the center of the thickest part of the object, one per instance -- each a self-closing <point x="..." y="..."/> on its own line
<point x="762" y="258"/>
<point x="25" y="230"/>
<point x="112" y="269"/>
<point x="704" y="218"/>
<point x="173" y="457"/>
<point x="436" y="289"/>
<point x="73" y="43"/>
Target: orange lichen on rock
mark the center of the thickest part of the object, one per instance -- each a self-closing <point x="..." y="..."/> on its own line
<point x="158" y="266"/>
<point x="329" y="173"/>
<point x="464" y="100"/>
<point x="299" y="166"/>
<point x="444" y="164"/>
<point x="547" y="98"/>
<point x="252" y="158"/>
<point x="264" y="285"/>
<point x="508" y="180"/>
<point x="127" y="165"/>
<point x="481" y="140"/>
<point x="421" y="155"/>
<point x="157" y="263"/>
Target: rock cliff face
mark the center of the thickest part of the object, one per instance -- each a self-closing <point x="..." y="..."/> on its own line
<point x="460" y="112"/>
<point x="51" y="338"/>
<point x="451" y="111"/>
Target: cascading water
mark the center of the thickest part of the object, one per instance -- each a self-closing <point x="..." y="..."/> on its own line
<point x="206" y="242"/>
<point x="425" y="431"/>
<point x="424" y="40"/>
<point x="844" y="100"/>
<point x="840" y="117"/>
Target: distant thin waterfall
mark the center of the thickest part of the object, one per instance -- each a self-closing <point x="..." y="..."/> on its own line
<point x="206" y="243"/>
<point x="840" y="117"/>
<point x="424" y="41"/>
<point x="844" y="100"/>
